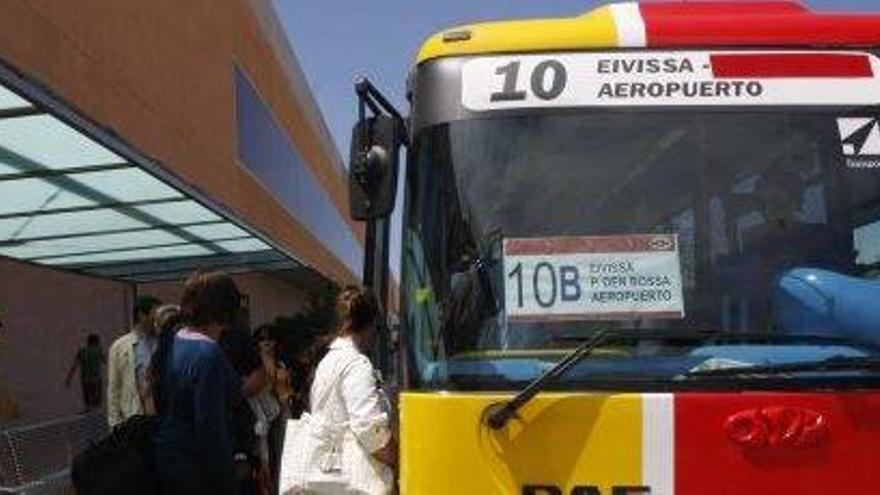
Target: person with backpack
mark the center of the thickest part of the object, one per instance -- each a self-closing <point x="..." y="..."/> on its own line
<point x="122" y="462"/>
<point x="195" y="388"/>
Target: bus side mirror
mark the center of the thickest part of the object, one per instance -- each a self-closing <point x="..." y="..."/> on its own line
<point x="372" y="185"/>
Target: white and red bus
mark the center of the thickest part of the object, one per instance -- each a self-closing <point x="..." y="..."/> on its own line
<point x="641" y="251"/>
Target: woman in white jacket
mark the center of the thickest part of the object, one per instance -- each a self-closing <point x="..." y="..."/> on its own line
<point x="357" y="400"/>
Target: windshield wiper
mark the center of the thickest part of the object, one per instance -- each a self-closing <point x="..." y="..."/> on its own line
<point x="826" y="365"/>
<point x="499" y="418"/>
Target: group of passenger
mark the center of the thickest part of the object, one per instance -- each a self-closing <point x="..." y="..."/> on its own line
<point x="222" y="396"/>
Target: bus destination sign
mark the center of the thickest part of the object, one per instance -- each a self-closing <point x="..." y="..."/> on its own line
<point x="674" y="78"/>
<point x="598" y="277"/>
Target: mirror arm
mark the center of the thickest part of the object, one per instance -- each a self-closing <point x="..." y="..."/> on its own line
<point x="366" y="91"/>
<point x="370" y="96"/>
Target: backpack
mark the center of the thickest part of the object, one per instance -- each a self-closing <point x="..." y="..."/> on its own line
<point x="118" y="463"/>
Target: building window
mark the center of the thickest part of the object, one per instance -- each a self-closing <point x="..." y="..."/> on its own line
<point x="269" y="153"/>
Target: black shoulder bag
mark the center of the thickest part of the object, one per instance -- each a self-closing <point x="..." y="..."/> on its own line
<point x="118" y="463"/>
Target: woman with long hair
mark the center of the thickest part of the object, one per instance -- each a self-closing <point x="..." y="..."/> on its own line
<point x="355" y="399"/>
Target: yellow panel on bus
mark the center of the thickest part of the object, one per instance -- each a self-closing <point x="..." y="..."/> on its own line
<point x="560" y="439"/>
<point x="596" y="29"/>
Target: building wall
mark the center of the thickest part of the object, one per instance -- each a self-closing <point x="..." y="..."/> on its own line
<point x="269" y="295"/>
<point x="46" y="316"/>
<point x="48" y="313"/>
<point x="161" y="74"/>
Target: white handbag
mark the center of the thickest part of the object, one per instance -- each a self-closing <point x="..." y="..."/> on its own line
<point x="323" y="458"/>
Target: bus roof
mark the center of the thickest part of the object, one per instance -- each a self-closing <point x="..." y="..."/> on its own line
<point x="662" y="25"/>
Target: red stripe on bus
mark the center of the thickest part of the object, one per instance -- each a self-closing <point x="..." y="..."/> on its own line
<point x="698" y="25"/>
<point x="724" y="8"/>
<point x="590" y="244"/>
<point x="609" y="316"/>
<point x="779" y="65"/>
<point x="774" y="455"/>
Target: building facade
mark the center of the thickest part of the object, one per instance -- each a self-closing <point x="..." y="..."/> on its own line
<point x="140" y="141"/>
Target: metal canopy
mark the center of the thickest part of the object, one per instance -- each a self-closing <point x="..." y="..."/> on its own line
<point x="73" y="196"/>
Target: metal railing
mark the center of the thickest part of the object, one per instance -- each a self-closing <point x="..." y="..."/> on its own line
<point x="36" y="458"/>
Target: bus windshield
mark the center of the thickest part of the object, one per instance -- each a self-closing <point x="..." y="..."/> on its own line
<point x="776" y="217"/>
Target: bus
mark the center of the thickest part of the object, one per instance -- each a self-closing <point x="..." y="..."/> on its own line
<point x="640" y="252"/>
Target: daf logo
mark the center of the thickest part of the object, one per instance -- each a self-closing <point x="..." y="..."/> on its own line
<point x="585" y="490"/>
